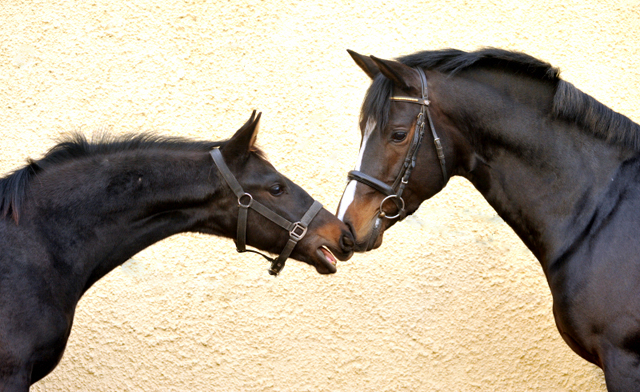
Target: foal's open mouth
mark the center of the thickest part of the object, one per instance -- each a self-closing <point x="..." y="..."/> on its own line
<point x="328" y="259"/>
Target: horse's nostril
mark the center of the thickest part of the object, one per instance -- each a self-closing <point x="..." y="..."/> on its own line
<point x="346" y="242"/>
<point x="351" y="230"/>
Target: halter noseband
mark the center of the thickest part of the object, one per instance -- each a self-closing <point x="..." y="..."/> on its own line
<point x="394" y="192"/>
<point x="297" y="230"/>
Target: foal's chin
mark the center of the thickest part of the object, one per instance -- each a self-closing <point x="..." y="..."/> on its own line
<point x="322" y="254"/>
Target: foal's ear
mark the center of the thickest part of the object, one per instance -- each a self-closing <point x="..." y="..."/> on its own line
<point x="401" y="75"/>
<point x="364" y="62"/>
<point x="242" y="142"/>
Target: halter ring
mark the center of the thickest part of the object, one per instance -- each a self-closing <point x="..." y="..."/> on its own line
<point x="383" y="214"/>
<point x="249" y="203"/>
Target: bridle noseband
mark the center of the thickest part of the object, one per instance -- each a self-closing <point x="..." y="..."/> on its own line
<point x="394" y="192"/>
<point x="297" y="230"/>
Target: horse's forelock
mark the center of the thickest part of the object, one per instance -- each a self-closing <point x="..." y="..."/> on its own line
<point x="376" y="104"/>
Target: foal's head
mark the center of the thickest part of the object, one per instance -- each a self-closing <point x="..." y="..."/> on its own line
<point x="389" y="128"/>
<point x="326" y="237"/>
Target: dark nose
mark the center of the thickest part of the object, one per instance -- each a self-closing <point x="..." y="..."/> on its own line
<point x="346" y="242"/>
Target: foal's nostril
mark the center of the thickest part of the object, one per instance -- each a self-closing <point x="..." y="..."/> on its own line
<point x="346" y="242"/>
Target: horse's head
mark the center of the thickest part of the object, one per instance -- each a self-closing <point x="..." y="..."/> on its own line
<point x="397" y="136"/>
<point x="279" y="216"/>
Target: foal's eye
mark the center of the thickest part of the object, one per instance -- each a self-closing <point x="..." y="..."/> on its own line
<point x="398" y="136"/>
<point x="276" y="190"/>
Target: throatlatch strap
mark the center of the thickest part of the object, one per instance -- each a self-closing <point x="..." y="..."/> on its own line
<point x="439" y="150"/>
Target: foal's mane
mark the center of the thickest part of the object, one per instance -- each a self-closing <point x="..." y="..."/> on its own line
<point x="569" y="103"/>
<point x="13" y="188"/>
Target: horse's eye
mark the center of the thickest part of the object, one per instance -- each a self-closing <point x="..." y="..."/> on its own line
<point x="276" y="190"/>
<point x="398" y="136"/>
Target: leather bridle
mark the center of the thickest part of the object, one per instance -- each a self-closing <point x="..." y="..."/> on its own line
<point x="297" y="230"/>
<point x="394" y="192"/>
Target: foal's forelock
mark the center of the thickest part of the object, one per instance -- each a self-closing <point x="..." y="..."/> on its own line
<point x="350" y="191"/>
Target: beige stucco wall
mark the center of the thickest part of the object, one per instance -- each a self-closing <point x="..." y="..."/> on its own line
<point x="452" y="301"/>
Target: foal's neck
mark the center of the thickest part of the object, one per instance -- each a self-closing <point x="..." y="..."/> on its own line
<point x="545" y="177"/>
<point x="97" y="212"/>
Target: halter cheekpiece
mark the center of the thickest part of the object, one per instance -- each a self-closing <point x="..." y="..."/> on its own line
<point x="394" y="192"/>
<point x="297" y="230"/>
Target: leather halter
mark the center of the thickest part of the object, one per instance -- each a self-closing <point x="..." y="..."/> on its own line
<point x="394" y="192"/>
<point x="297" y="230"/>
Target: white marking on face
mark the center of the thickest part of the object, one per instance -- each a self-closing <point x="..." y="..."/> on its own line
<point x="350" y="191"/>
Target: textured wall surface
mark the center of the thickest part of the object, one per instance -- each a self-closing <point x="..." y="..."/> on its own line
<point x="453" y="301"/>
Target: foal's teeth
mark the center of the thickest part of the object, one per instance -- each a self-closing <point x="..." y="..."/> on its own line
<point x="328" y="255"/>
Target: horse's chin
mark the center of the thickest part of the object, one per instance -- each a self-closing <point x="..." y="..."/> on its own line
<point x="378" y="241"/>
<point x="376" y="234"/>
<point x="370" y="243"/>
<point x="379" y="233"/>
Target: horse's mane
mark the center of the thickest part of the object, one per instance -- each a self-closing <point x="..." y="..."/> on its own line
<point x="569" y="103"/>
<point x="13" y="188"/>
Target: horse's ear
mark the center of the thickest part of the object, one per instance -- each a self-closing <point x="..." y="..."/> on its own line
<point x="364" y="62"/>
<point x="401" y="75"/>
<point x="242" y="142"/>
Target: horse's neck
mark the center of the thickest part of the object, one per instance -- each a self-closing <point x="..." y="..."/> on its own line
<point x="95" y="213"/>
<point x="545" y="178"/>
<point x="548" y="200"/>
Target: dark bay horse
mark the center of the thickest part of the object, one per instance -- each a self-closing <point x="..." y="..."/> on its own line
<point x="559" y="167"/>
<point x="85" y="208"/>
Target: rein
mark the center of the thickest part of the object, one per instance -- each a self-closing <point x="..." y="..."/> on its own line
<point x="297" y="230"/>
<point x="394" y="192"/>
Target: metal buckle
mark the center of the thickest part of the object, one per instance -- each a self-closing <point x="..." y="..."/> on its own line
<point x="275" y="268"/>
<point x="439" y="149"/>
<point x="384" y="215"/>
<point x="248" y="204"/>
<point x="298" y="231"/>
